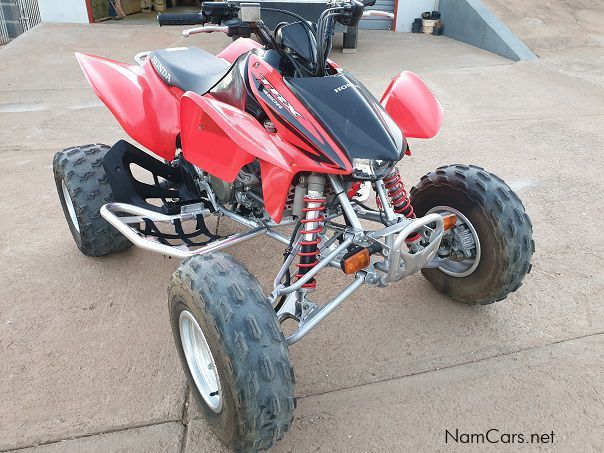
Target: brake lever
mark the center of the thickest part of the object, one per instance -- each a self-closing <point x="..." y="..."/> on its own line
<point x="205" y="29"/>
<point x="375" y="12"/>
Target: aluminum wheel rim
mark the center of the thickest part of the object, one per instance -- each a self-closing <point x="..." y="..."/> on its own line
<point x="465" y="267"/>
<point x="70" y="207"/>
<point x="200" y="360"/>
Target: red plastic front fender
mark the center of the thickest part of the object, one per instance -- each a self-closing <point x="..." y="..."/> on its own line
<point x="413" y="106"/>
<point x="144" y="106"/>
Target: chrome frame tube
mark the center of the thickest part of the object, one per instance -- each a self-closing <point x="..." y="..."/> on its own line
<point x="314" y="318"/>
<point x="140" y="213"/>
<point x="386" y="206"/>
<point x="109" y="210"/>
<point x="286" y="264"/>
<point x="281" y="290"/>
<point x="349" y="212"/>
<point x="368" y="215"/>
<point x="388" y="210"/>
<point x="288" y="261"/>
<point x="277" y="236"/>
<point x="238" y="218"/>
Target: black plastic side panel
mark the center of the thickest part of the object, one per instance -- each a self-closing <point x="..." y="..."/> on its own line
<point x="233" y="88"/>
<point x="127" y="189"/>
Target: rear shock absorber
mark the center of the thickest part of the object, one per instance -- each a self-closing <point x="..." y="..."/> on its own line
<point x="399" y="199"/>
<point x="312" y="225"/>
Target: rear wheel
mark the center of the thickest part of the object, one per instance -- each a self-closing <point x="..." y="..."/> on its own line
<point x="83" y="188"/>
<point x="232" y="350"/>
<point x="488" y="252"/>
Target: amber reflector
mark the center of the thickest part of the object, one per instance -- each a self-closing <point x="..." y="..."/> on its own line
<point x="354" y="263"/>
<point x="450" y="220"/>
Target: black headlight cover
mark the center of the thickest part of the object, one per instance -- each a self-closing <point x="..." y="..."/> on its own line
<point x="351" y="115"/>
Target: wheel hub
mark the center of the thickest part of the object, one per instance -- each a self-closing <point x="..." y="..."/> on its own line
<point x="464" y="255"/>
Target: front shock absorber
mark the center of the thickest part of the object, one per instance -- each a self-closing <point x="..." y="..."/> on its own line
<point x="312" y="225"/>
<point x="399" y="199"/>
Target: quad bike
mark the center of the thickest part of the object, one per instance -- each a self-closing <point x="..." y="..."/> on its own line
<point x="273" y="135"/>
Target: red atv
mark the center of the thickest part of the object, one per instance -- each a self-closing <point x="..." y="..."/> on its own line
<point x="272" y="134"/>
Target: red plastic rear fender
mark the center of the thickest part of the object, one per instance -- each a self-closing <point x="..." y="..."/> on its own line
<point x="145" y="107"/>
<point x="413" y="106"/>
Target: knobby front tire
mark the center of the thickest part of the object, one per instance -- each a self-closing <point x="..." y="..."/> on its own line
<point x="247" y="345"/>
<point x="500" y="220"/>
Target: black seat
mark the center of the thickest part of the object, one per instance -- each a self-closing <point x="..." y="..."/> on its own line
<point x="188" y="68"/>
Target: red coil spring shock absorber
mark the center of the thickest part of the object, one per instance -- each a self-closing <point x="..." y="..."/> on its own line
<point x="399" y="199"/>
<point x="312" y="225"/>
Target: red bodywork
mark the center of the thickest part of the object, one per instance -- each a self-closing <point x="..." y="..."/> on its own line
<point x="221" y="139"/>
<point x="413" y="106"/>
<point x="238" y="48"/>
<point x="143" y="104"/>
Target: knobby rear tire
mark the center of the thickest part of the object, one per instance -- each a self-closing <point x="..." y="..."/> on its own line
<point x="247" y="345"/>
<point x="501" y="222"/>
<point x="81" y="170"/>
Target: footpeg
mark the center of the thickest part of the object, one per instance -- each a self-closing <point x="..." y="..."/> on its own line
<point x="129" y="226"/>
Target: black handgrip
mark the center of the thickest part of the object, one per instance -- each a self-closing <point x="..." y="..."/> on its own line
<point x="180" y="19"/>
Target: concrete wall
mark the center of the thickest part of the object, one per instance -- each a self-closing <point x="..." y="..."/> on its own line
<point x="73" y="11"/>
<point x="472" y="22"/>
<point x="410" y="9"/>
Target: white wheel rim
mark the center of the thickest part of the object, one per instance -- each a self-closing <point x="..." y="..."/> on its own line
<point x="70" y="208"/>
<point x="200" y="360"/>
<point x="459" y="268"/>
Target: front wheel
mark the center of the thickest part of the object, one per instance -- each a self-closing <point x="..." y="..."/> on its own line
<point x="233" y="352"/>
<point x="488" y="253"/>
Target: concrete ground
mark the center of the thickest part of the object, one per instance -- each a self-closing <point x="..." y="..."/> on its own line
<point x="88" y="361"/>
<point x="548" y="27"/>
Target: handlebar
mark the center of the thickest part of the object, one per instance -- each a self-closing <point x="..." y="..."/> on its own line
<point x="218" y="12"/>
<point x="180" y="19"/>
<point x="243" y="20"/>
<point x="211" y="12"/>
